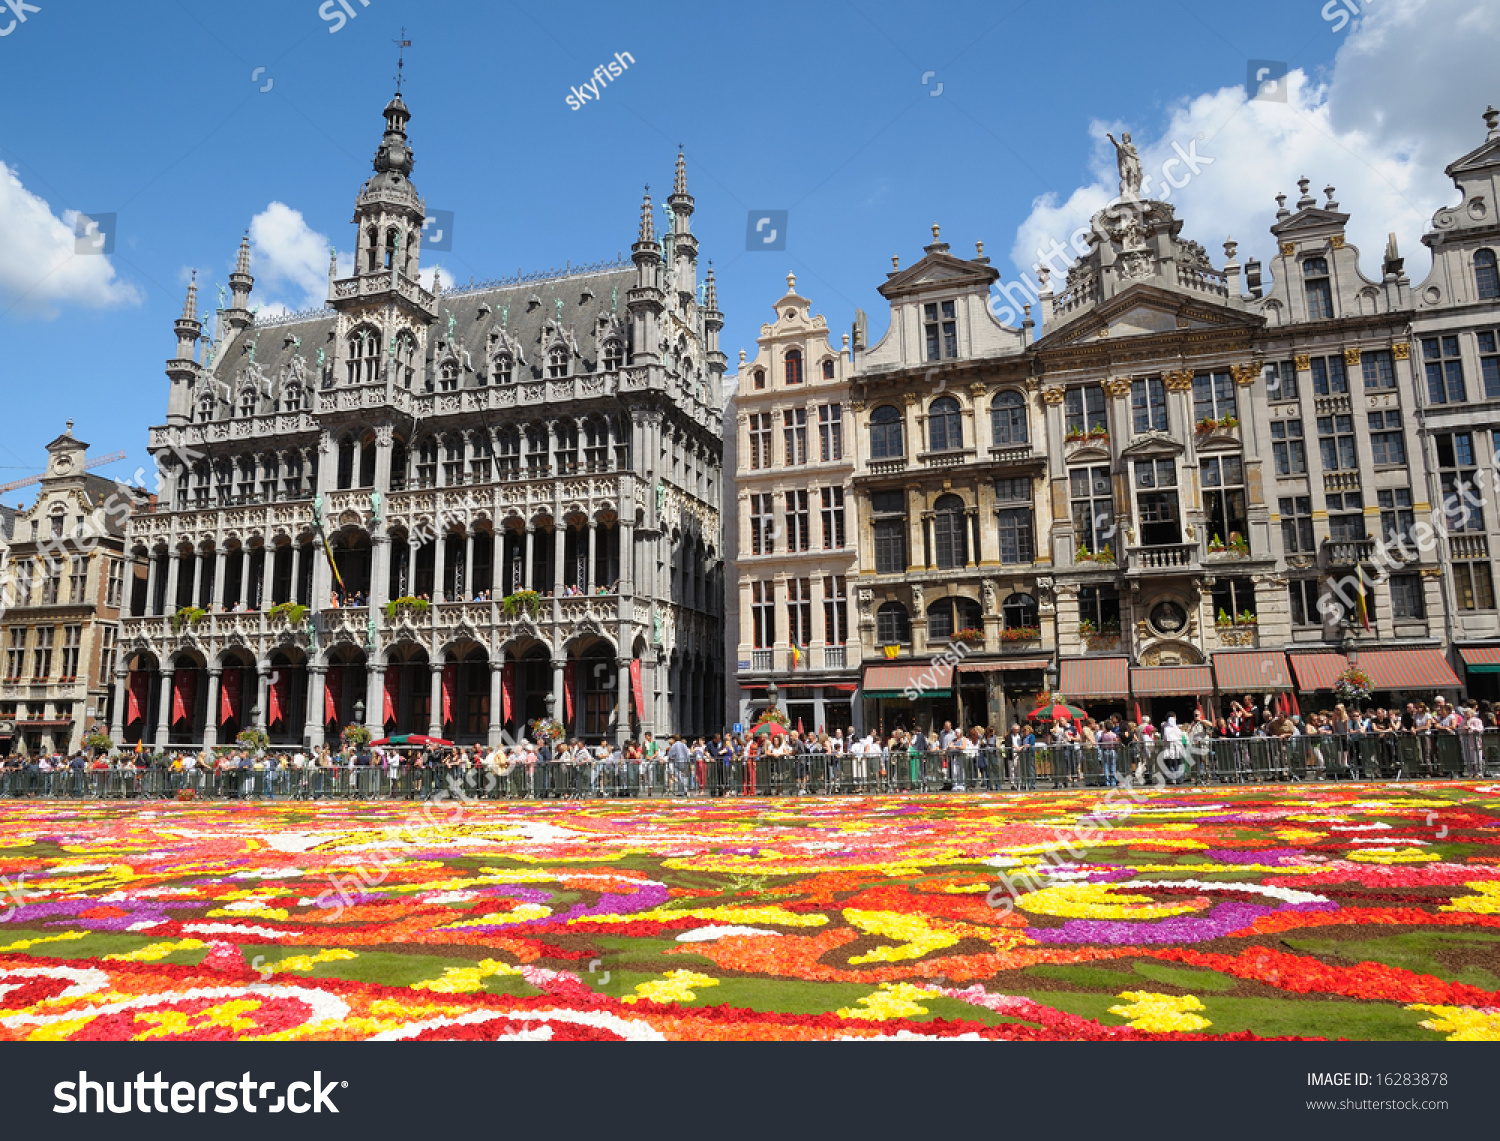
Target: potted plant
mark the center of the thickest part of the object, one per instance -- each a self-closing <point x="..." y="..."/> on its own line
<point x="1020" y="633"/>
<point x="1098" y="432"/>
<point x="1353" y="686"/>
<point x="187" y="616"/>
<point x="409" y="604"/>
<point x="1224" y="619"/>
<point x="293" y="613"/>
<point x="1246" y="618"/>
<point x="970" y="636"/>
<point x="252" y="739"/>
<point x="1216" y="545"/>
<point x="99" y="741"/>
<point x="1075" y="433"/>
<point x="1238" y="544"/>
<point x="528" y="601"/>
<point x="545" y="729"/>
<point x="1087" y="629"/>
<point x="356" y="736"/>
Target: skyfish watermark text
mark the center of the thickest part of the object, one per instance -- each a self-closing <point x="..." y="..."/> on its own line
<point x="578" y="96"/>
<point x="156" y="1095"/>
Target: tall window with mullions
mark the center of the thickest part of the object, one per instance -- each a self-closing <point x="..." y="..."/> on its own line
<point x="1093" y="508"/>
<point x="1148" y="404"/>
<point x="950" y="533"/>
<point x="1213" y="397"/>
<point x="1085" y="409"/>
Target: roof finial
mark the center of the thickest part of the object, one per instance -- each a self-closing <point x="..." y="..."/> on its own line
<point x="190" y="308"/>
<point x="934" y="231"/>
<point x="70" y="427"/>
<point x="1492" y="120"/>
<point x="679" y="181"/>
<point x="791" y="283"/>
<point x="1307" y="199"/>
<point x="648" y="232"/>
<point x="242" y="263"/>
<point x="979" y="249"/>
<point x="895" y="261"/>
<point x="401" y="45"/>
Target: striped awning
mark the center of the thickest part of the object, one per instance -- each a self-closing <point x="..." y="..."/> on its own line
<point x="927" y="679"/>
<point x="1252" y="671"/>
<point x="1104" y="678"/>
<point x="1480" y="659"/>
<point x="1408" y="669"/>
<point x="1318" y="671"/>
<point x="1003" y="664"/>
<point x="1171" y="681"/>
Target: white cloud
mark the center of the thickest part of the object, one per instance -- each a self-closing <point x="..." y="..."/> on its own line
<point x="289" y="260"/>
<point x="1380" y="129"/>
<point x="40" y="270"/>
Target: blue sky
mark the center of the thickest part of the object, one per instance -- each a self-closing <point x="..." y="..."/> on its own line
<point x="155" y="113"/>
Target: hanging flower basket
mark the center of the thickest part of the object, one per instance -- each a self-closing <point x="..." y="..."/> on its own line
<point x="1353" y="686"/>
<point x="527" y="601"/>
<point x="545" y="729"/>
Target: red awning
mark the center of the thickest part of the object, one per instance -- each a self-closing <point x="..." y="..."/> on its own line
<point x="1171" y="681"/>
<point x="931" y="679"/>
<point x="1318" y="671"/>
<point x="1481" y="656"/>
<point x="842" y="686"/>
<point x="1408" y="669"/>
<point x="1252" y="671"/>
<point x="1004" y="664"/>
<point x="1103" y="678"/>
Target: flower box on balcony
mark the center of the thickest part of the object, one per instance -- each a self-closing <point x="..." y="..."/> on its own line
<point x="1104" y="556"/>
<point x="1021" y="634"/>
<point x="1209" y="426"/>
<point x="292" y="613"/>
<point x="969" y="637"/>
<point x="409" y="606"/>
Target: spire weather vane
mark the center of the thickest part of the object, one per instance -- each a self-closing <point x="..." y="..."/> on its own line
<point x="401" y="45"/>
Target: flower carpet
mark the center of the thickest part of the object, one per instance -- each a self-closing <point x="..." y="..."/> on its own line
<point x="1329" y="911"/>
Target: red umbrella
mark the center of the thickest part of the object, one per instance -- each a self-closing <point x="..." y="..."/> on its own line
<point x="411" y="739"/>
<point x="1057" y="711"/>
<point x="770" y="729"/>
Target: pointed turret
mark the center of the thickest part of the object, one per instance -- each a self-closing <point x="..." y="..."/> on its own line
<point x="644" y="301"/>
<point x="713" y="322"/>
<point x="682" y="272"/>
<point x="188" y="327"/>
<point x="238" y="314"/>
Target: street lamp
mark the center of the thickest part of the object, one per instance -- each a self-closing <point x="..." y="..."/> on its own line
<point x="771" y="692"/>
<point x="359" y="712"/>
<point x="1051" y="674"/>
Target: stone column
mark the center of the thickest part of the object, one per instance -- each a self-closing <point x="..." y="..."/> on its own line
<point x="528" y="569"/>
<point x="374" y="696"/>
<point x="559" y="540"/>
<point x="971" y="520"/>
<point x="439" y="566"/>
<point x="198" y="561"/>
<point x="169" y="604"/>
<point x="291" y="595"/>
<point x="468" y="587"/>
<point x="151" y="575"/>
<point x="627" y="557"/>
<point x="322" y="578"/>
<point x="622" y="701"/>
<point x="559" y="699"/>
<point x="497" y="702"/>
<point x="315" y="728"/>
<point x="211" y="717"/>
<point x="221" y="562"/>
<point x="164" y="710"/>
<point x="593" y="530"/>
<point x="435" y="714"/>
<point x="122" y="703"/>
<point x="380" y="570"/>
<point x="262" y="695"/>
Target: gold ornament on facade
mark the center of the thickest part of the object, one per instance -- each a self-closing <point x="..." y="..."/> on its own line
<point x="1244" y="374"/>
<point x="1304" y="362"/>
<point x="1117" y="386"/>
<point x="909" y="398"/>
<point x="1288" y="249"/>
<point x="1336" y="242"/>
<point x="978" y="389"/>
<point x="1351" y="357"/>
<point x="1053" y="394"/>
<point x="1178" y="380"/>
<point x="1401" y="351"/>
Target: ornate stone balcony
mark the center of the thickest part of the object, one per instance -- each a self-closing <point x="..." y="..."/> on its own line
<point x="1348" y="552"/>
<point x="1169" y="557"/>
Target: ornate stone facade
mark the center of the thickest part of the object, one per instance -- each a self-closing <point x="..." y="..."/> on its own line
<point x="446" y="511"/>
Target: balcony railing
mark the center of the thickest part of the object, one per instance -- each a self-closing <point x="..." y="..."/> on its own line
<point x="1171" y="556"/>
<point x="1341" y="481"/>
<point x="762" y="660"/>
<point x="1468" y="546"/>
<point x="833" y="657"/>
<point x="1348" y="552"/>
<point x="886" y="467"/>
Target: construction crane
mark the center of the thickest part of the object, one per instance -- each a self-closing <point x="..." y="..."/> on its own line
<point x="30" y="479"/>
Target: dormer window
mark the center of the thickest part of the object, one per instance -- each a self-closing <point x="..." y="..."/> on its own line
<point x="247" y="402"/>
<point x="205" y="408"/>
<point x="1319" y="289"/>
<point x="1486" y="277"/>
<point x="793" y="366"/>
<point x="363" y="356"/>
<point x="448" y="376"/>
<point x="941" y="325"/>
<point x="828" y="369"/>
<point x="614" y="355"/>
<point x="291" y="398"/>
<point x="557" y="362"/>
<point x="504" y="369"/>
<point x="759" y="377"/>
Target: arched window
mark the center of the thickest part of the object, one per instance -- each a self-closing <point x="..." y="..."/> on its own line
<point x="828" y="369"/>
<point x="345" y="475"/>
<point x="949" y="616"/>
<point x="372" y="249"/>
<point x="504" y="368"/>
<point x="760" y="378"/>
<point x="509" y="462"/>
<point x="363" y="358"/>
<point x="1319" y="289"/>
<point x="427" y="463"/>
<point x="206" y="406"/>
<point x="945" y="425"/>
<point x="892" y="624"/>
<point x="291" y="398"/>
<point x="247" y="402"/>
<point x="557" y="362"/>
<point x="792" y="371"/>
<point x="1008" y="419"/>
<point x="448" y="375"/>
<point x="392" y="241"/>
<point x="1020" y="612"/>
<point x="406" y="358"/>
<point x="1485" y="275"/>
<point x="614" y="355"/>
<point x="950" y="533"/>
<point x="886" y="441"/>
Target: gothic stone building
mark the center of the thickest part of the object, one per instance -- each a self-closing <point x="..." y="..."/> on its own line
<point x="448" y="511"/>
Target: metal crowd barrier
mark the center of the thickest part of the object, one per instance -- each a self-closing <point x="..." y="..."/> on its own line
<point x="1250" y="760"/>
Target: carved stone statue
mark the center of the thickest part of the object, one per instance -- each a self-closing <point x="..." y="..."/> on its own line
<point x="990" y="594"/>
<point x="1128" y="159"/>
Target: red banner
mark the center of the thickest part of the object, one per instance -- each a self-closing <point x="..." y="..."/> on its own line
<point x="637" y="690"/>
<point x="184" y="689"/>
<point x="231" y="686"/>
<point x="280" y="697"/>
<point x="570" y="681"/>
<point x="507" y="690"/>
<point x="392" y="693"/>
<point x="140" y="696"/>
<point x="450" y="683"/>
<point x="333" y="690"/>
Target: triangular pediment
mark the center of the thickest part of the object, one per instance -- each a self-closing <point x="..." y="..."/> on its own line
<point x="1151" y="444"/>
<point x="939" y="268"/>
<point x="1147" y="310"/>
<point x="1310" y="218"/>
<point x="1485" y="156"/>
